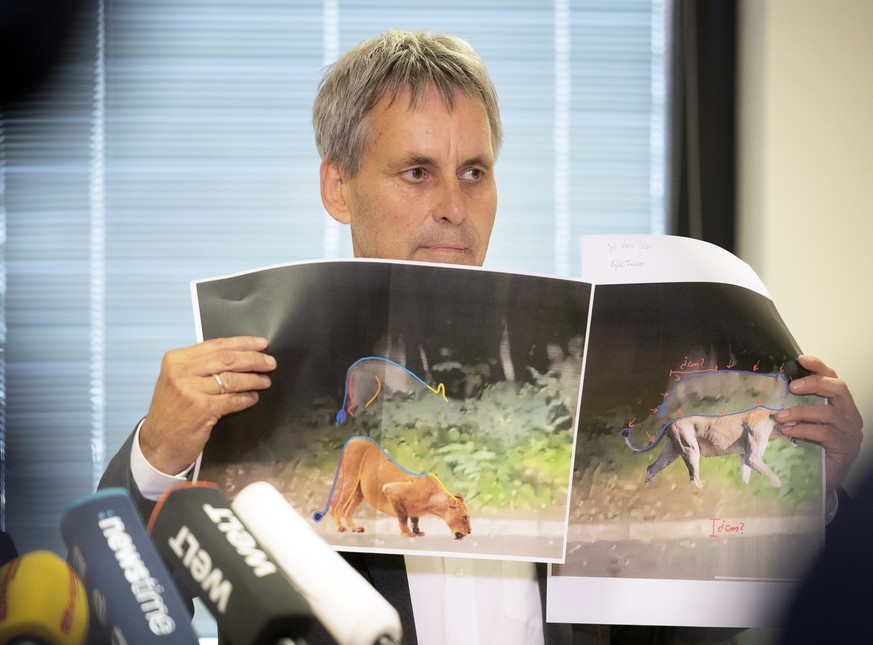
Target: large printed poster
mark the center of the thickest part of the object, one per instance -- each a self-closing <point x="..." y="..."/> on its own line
<point x="415" y="408"/>
<point x="688" y="506"/>
<point x="620" y="426"/>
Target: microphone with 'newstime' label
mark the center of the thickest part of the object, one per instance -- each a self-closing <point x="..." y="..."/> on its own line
<point x="42" y="600"/>
<point x="348" y="606"/>
<point x="214" y="554"/>
<point x="130" y="590"/>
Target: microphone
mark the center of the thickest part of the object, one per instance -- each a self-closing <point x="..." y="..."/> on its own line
<point x="211" y="550"/>
<point x="132" y="595"/>
<point x="343" y="601"/>
<point x="42" y="601"/>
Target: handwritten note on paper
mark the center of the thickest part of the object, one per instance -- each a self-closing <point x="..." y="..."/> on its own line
<point x="628" y="256"/>
<point x="636" y="259"/>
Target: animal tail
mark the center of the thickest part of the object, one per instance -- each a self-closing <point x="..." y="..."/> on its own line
<point x="341" y="415"/>
<point x="626" y="433"/>
<point x="317" y="516"/>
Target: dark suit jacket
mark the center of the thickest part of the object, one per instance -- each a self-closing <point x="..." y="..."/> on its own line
<point x="831" y="604"/>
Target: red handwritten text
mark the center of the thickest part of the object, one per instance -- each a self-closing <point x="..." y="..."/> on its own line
<point x="722" y="527"/>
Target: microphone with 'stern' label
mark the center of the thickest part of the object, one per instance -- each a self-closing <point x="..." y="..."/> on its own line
<point x="210" y="549"/>
<point x="348" y="606"/>
<point x="42" y="600"/>
<point x="131" y="593"/>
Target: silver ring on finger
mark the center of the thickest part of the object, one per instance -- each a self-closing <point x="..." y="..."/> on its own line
<point x="220" y="383"/>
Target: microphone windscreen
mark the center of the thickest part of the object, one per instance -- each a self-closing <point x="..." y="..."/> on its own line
<point x="130" y="590"/>
<point x="348" y="606"/>
<point x="42" y="600"/>
<point x="211" y="550"/>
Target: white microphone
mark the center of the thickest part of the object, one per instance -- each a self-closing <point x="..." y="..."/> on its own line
<point x="211" y="550"/>
<point x="348" y="606"/>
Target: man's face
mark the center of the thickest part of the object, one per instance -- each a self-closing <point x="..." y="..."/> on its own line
<point x="425" y="190"/>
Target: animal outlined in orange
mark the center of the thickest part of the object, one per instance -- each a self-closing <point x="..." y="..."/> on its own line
<point x="366" y="472"/>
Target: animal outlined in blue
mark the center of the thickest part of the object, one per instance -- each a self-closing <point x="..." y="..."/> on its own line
<point x="713" y="392"/>
<point x="745" y="389"/>
<point x="365" y="471"/>
<point x="713" y="412"/>
<point x="363" y="385"/>
<point x="709" y="435"/>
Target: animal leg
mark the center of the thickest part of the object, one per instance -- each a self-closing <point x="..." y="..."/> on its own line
<point x="755" y="458"/>
<point x="684" y="438"/>
<point x="415" y="529"/>
<point x="338" y="505"/>
<point x="668" y="456"/>
<point x="363" y="390"/>
<point x="394" y="494"/>
<point x="745" y="469"/>
<point x="337" y="515"/>
<point x="758" y="465"/>
<point x="351" y="505"/>
<point x="691" y="457"/>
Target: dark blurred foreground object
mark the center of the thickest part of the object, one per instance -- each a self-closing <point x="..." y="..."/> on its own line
<point x="833" y="602"/>
<point x="7" y="548"/>
<point x="33" y="36"/>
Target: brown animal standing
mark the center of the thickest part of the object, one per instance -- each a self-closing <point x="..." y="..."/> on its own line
<point x="369" y="474"/>
<point x="693" y="437"/>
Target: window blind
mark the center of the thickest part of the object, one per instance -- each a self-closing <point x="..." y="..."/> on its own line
<point x="173" y="142"/>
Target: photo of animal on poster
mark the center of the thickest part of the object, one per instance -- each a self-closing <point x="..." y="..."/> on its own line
<point x="681" y="469"/>
<point x="415" y="408"/>
<point x="365" y="472"/>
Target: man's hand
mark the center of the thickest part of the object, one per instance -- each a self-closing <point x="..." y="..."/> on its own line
<point x="836" y="426"/>
<point x="189" y="400"/>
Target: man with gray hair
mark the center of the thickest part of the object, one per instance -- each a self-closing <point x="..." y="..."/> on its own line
<point x="408" y="128"/>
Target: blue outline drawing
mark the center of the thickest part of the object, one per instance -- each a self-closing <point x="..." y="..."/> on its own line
<point x="341" y="415"/>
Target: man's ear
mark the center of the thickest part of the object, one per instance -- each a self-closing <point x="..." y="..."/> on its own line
<point x="332" y="195"/>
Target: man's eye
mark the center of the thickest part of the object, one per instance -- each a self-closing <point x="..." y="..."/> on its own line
<point x="414" y="174"/>
<point x="473" y="174"/>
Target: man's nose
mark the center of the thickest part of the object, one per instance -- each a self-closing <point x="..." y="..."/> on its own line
<point x="452" y="203"/>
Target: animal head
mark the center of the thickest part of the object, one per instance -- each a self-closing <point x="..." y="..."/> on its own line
<point x="458" y="517"/>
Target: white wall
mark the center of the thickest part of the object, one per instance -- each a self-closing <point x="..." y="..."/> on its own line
<point x="806" y="177"/>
